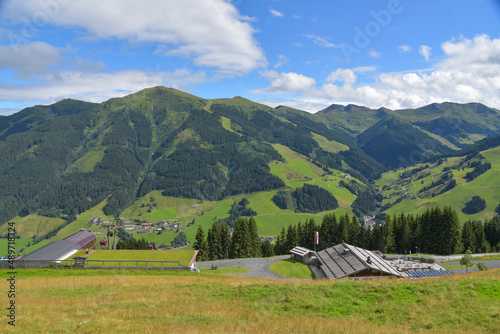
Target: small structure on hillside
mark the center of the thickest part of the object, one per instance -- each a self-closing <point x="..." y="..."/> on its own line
<point x="62" y="249"/>
<point x="303" y="255"/>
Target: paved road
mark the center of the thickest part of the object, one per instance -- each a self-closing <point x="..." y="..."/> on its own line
<point x="489" y="263"/>
<point x="259" y="267"/>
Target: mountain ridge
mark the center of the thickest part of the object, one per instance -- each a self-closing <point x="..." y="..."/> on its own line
<point x="71" y="155"/>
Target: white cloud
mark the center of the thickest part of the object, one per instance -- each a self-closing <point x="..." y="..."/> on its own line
<point x="320" y="41"/>
<point x="374" y="54"/>
<point x="211" y="32"/>
<point x="98" y="87"/>
<point x="276" y="13"/>
<point x="29" y="59"/>
<point x="311" y="105"/>
<point x="282" y="60"/>
<point x="287" y="82"/>
<point x="425" y="51"/>
<point x="404" y="48"/>
<point x="470" y="72"/>
<point x="297" y="17"/>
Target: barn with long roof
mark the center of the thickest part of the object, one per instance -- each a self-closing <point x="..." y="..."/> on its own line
<point x="62" y="249"/>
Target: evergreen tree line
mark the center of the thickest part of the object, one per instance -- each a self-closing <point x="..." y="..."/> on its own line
<point x="437" y="231"/>
<point x="308" y="198"/>
<point x="133" y="244"/>
<point x="218" y="244"/>
<point x="237" y="210"/>
<point x="478" y="170"/>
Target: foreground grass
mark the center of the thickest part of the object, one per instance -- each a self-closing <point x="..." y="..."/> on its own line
<point x="291" y="268"/>
<point x="159" y="302"/>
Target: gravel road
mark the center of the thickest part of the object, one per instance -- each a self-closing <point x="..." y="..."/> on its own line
<point x="259" y="267"/>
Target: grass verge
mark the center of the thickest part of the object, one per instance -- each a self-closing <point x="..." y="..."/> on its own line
<point x="291" y="268"/>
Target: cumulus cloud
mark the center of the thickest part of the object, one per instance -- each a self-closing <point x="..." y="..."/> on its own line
<point x="276" y="13"/>
<point x="97" y="87"/>
<point x="287" y="82"/>
<point x="470" y="72"/>
<point x="425" y="51"/>
<point x="29" y="59"/>
<point x="210" y="32"/>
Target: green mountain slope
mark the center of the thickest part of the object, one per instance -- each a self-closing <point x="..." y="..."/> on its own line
<point x="417" y="188"/>
<point x="451" y="124"/>
<point x="73" y="160"/>
<point x="396" y="143"/>
<point x="156" y="139"/>
<point x="30" y="117"/>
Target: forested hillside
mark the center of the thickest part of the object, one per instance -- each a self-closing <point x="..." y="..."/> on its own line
<point x="61" y="160"/>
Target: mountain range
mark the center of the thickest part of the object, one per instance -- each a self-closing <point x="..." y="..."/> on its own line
<point x="65" y="158"/>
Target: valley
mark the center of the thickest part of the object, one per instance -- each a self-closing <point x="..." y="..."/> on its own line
<point x="163" y="155"/>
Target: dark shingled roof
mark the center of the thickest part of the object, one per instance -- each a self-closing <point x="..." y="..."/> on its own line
<point x="345" y="260"/>
<point x="53" y="251"/>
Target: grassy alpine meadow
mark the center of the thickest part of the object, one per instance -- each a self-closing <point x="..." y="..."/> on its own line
<point x="114" y="301"/>
<point x="486" y="186"/>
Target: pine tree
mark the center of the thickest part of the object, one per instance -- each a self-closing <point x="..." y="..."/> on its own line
<point x="387" y="238"/>
<point x="327" y="231"/>
<point x="267" y="248"/>
<point x="468" y="237"/>
<point x="240" y="242"/>
<point x="402" y="233"/>
<point x="354" y="231"/>
<point x="415" y="232"/>
<point x="279" y="247"/>
<point x="300" y="232"/>
<point x="201" y="244"/>
<point x="492" y="232"/>
<point x="309" y="229"/>
<point x="449" y="232"/>
<point x="225" y="240"/>
<point x="255" y="242"/>
<point x="215" y="244"/>
<point x="364" y="235"/>
<point x="343" y="229"/>
<point x="291" y="238"/>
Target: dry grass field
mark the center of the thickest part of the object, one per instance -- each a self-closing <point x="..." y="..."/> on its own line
<point x="114" y="301"/>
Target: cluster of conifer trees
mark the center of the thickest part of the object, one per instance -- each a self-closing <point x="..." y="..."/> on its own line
<point x="437" y="231"/>
<point x="218" y="243"/>
<point x="132" y="243"/>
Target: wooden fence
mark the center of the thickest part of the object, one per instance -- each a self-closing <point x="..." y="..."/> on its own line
<point x="97" y="264"/>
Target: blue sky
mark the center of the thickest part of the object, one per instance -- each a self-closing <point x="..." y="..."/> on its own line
<point x="304" y="54"/>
